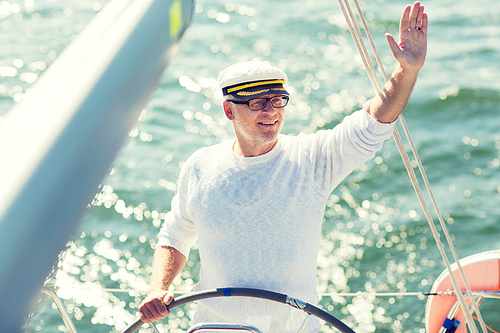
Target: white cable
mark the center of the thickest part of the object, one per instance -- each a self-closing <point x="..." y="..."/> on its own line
<point x="364" y="294"/>
<point x="371" y="73"/>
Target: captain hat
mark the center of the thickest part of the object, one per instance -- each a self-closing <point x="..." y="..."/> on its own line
<point x="250" y="79"/>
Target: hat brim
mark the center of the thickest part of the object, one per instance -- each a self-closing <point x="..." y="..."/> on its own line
<point x="256" y="89"/>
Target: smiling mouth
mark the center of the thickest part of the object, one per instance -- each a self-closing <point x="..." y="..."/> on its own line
<point x="268" y="122"/>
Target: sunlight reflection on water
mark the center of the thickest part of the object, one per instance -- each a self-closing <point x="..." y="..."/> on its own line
<point x="375" y="237"/>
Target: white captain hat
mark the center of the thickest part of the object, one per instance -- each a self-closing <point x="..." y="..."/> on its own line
<point x="250" y="79"/>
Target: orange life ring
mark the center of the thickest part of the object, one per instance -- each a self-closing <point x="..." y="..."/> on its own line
<point x="483" y="274"/>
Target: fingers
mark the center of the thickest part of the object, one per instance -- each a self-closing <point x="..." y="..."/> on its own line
<point x="404" y="25"/>
<point x="420" y="14"/>
<point x="396" y="51"/>
<point x="425" y="23"/>
<point x="153" y="311"/>
<point x="155" y="307"/>
<point x="413" y="18"/>
<point x="169" y="297"/>
<point x="421" y="18"/>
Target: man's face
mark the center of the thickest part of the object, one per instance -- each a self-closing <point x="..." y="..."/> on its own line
<point x="260" y="127"/>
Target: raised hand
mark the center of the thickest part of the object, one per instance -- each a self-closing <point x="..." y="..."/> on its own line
<point x="411" y="48"/>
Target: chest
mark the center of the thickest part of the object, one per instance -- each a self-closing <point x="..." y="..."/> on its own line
<point x="265" y="202"/>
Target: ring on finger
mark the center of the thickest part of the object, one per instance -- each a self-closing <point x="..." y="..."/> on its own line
<point x="418" y="28"/>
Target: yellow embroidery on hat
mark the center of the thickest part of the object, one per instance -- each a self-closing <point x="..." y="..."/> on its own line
<point x="254" y="84"/>
<point x="251" y="93"/>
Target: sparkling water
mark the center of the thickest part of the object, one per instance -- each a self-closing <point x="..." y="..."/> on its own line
<point x="376" y="237"/>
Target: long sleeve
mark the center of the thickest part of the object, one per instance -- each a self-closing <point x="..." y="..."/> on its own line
<point x="333" y="154"/>
<point x="179" y="230"/>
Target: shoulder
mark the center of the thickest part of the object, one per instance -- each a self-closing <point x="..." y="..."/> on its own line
<point x="208" y="155"/>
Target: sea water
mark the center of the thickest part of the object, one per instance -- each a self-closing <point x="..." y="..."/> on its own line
<point x="375" y="236"/>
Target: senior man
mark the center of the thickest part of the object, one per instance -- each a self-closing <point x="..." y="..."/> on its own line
<point x="255" y="204"/>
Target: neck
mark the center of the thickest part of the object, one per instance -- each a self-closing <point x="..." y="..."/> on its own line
<point x="252" y="151"/>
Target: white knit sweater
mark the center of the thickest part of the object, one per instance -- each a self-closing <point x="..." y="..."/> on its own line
<point x="258" y="219"/>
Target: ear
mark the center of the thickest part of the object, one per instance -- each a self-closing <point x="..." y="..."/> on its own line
<point x="228" y="110"/>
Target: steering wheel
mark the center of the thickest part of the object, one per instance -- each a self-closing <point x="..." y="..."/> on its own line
<point x="256" y="293"/>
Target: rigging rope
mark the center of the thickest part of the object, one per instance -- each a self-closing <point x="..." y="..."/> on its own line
<point x="362" y="294"/>
<point x="358" y="40"/>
